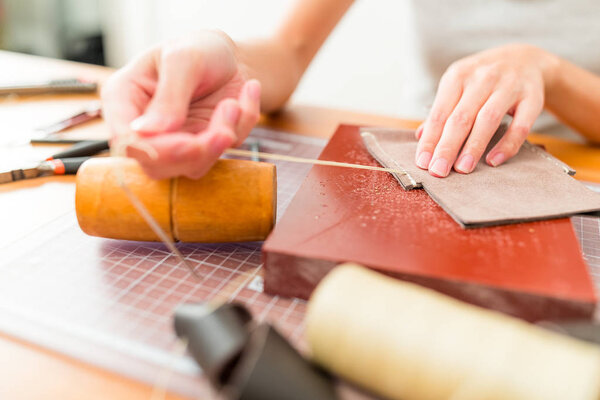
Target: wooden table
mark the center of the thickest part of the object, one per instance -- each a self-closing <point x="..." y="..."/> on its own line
<point x="29" y="371"/>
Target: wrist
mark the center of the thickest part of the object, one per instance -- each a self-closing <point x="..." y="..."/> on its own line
<point x="549" y="66"/>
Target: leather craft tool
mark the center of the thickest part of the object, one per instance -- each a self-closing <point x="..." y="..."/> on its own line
<point x="64" y="163"/>
<point x="48" y="134"/>
<point x="246" y="360"/>
<point x="532" y="270"/>
<point x="52" y="86"/>
<point x="406" y="342"/>
<point x="234" y="202"/>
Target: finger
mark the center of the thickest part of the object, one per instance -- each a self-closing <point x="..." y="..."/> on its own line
<point x="250" y="105"/>
<point x="125" y="94"/>
<point x="211" y="143"/>
<point x="189" y="154"/>
<point x="168" y="163"/>
<point x="178" y="74"/>
<point x="119" y="107"/>
<point x="457" y="128"/>
<point x="449" y="92"/>
<point x="419" y="131"/>
<point x="122" y="102"/>
<point x="486" y="124"/>
<point x="526" y="113"/>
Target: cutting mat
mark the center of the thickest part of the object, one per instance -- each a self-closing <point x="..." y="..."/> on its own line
<point x="111" y="302"/>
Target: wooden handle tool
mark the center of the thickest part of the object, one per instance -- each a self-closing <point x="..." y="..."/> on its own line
<point x="234" y="202"/>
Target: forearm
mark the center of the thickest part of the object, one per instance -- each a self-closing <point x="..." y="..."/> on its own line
<point x="573" y="96"/>
<point x="275" y="66"/>
<point x="280" y="61"/>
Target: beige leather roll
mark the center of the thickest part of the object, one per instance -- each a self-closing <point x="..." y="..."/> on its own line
<point x="405" y="342"/>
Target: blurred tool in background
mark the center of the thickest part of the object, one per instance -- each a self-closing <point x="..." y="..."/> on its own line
<point x="64" y="163"/>
<point x="48" y="87"/>
<point x="50" y="133"/>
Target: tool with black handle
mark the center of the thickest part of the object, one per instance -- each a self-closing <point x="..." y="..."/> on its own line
<point x="64" y="163"/>
<point x="82" y="149"/>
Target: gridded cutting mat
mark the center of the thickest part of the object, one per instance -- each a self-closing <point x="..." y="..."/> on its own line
<point x="587" y="229"/>
<point x="111" y="302"/>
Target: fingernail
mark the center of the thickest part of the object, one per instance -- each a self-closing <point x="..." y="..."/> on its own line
<point x="418" y="132"/>
<point x="465" y="163"/>
<point x="497" y="159"/>
<point x="219" y="143"/>
<point x="439" y="168"/>
<point x="254" y="90"/>
<point x="232" y="113"/>
<point x="423" y="160"/>
<point x="139" y="123"/>
<point x="149" y="123"/>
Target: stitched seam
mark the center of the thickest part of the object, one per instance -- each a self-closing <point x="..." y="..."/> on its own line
<point x="545" y="155"/>
<point x="373" y="141"/>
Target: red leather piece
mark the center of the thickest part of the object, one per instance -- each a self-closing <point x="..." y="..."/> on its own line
<point x="531" y="270"/>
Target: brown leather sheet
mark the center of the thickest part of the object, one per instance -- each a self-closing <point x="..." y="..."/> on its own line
<point x="531" y="186"/>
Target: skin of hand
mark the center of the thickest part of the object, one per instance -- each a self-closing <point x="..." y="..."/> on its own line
<point x="473" y="96"/>
<point x="190" y="99"/>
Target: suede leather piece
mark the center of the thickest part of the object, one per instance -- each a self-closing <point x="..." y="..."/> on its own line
<point x="531" y="186"/>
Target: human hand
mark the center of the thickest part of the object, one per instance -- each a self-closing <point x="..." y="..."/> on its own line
<point x="473" y="96"/>
<point x="188" y="99"/>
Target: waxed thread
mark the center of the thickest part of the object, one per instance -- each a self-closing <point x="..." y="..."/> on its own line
<point x="118" y="149"/>
<point x="302" y="160"/>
